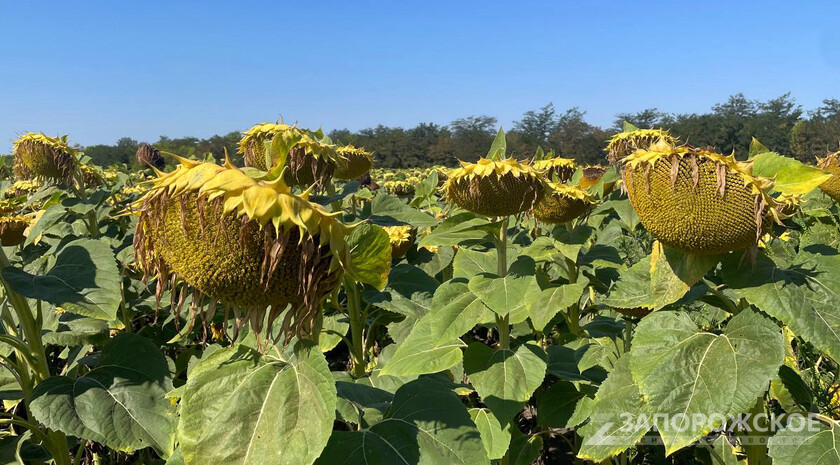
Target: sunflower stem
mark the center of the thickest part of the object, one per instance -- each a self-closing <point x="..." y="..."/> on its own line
<point x="36" y="359"/>
<point x="357" y="326"/>
<point x="503" y="322"/>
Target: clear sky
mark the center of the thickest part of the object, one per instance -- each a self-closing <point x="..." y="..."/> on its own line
<point x="101" y="70"/>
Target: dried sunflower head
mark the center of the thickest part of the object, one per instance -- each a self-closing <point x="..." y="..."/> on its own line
<point x="831" y="164"/>
<point x="148" y="156"/>
<point x="43" y="157"/>
<point x="310" y="161"/>
<point x="243" y="241"/>
<point x="697" y="201"/>
<point x="494" y="187"/>
<point x="561" y="169"/>
<point x="355" y="162"/>
<point x="401" y="238"/>
<point x="562" y="203"/>
<point x="625" y="143"/>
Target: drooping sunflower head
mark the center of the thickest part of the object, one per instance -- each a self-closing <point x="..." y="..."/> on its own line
<point x="697" y="201"/>
<point x="245" y="242"/>
<point x="401" y="237"/>
<point x="831" y="164"/>
<point x="562" y="203"/>
<point x="91" y="176"/>
<point x="625" y="143"/>
<point x="399" y="188"/>
<point x="23" y="187"/>
<point x="310" y="160"/>
<point x="148" y="156"/>
<point x="494" y="187"/>
<point x="43" y="157"/>
<point x="13" y="229"/>
<point x="355" y="162"/>
<point x="592" y="174"/>
<point x="559" y="169"/>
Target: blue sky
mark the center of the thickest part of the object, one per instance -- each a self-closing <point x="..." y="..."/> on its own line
<point x="101" y="70"/>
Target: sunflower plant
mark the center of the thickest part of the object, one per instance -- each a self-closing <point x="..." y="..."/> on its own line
<point x="509" y="310"/>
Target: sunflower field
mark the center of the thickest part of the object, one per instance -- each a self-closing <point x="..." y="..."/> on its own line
<point x="292" y="303"/>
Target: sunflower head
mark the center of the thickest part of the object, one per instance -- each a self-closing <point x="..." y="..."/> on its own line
<point x="625" y="143"/>
<point x="355" y="162"/>
<point x="22" y="187"/>
<point x="831" y="164"/>
<point x="562" y="203"/>
<point x="13" y="229"/>
<point x="245" y="242"/>
<point x="494" y="187"/>
<point x="698" y="201"/>
<point x="148" y="156"/>
<point x="310" y="160"/>
<point x="399" y="188"/>
<point x="43" y="157"/>
<point x="401" y="238"/>
<point x="559" y="169"/>
<point x="91" y="176"/>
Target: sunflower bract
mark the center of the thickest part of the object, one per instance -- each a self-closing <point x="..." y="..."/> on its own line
<point x="494" y="187"/>
<point x="562" y="203"/>
<point x="401" y="238"/>
<point x="625" y="143"/>
<point x="244" y="242"/>
<point x="697" y="201"/>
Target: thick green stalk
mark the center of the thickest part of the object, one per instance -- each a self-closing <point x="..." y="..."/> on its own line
<point x="357" y="325"/>
<point x="755" y="450"/>
<point x="503" y="323"/>
<point x="37" y="360"/>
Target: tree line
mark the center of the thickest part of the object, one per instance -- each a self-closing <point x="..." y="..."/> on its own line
<point x="780" y="124"/>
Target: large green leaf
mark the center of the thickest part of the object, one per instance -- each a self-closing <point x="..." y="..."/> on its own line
<point x="619" y="418"/>
<point x="242" y="407"/>
<point x="495" y="438"/>
<point x="804" y="295"/>
<point x="806" y="440"/>
<point x="422" y="352"/>
<point x="459" y="228"/>
<point x="544" y="305"/>
<point x="672" y="273"/>
<point x="698" y="378"/>
<point x="426" y="425"/>
<point x="121" y="403"/>
<point x="505" y="378"/>
<point x="84" y="280"/>
<point x="557" y="405"/>
<point x="792" y="176"/>
<point x="455" y="310"/>
<point x="388" y="210"/>
<point x="370" y="255"/>
<point x="507" y="295"/>
<point x="660" y="279"/>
